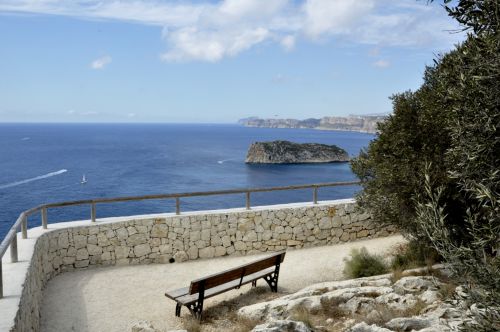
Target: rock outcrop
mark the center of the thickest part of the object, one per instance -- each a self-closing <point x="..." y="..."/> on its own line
<point x="373" y="304"/>
<point x="360" y="123"/>
<point x="285" y="152"/>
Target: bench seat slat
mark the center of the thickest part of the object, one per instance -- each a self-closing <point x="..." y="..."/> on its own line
<point x="191" y="298"/>
<point x="173" y="294"/>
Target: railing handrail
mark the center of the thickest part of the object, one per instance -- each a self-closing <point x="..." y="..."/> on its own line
<point x="21" y="222"/>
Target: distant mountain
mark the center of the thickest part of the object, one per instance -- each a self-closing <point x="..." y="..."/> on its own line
<point x="361" y="123"/>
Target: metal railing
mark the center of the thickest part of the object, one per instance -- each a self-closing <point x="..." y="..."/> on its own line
<point x="22" y="221"/>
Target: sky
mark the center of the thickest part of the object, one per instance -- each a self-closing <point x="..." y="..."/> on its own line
<point x="195" y="61"/>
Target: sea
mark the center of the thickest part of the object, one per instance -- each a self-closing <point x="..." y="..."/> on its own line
<point x="45" y="163"/>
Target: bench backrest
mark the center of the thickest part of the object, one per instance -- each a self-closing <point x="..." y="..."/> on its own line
<point x="215" y="280"/>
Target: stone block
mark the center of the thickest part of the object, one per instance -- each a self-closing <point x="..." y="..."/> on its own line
<point x="181" y="256"/>
<point x="207" y="252"/>
<point x="94" y="249"/>
<point x="159" y="230"/>
<point x="363" y="233"/>
<point x="80" y="241"/>
<point x="250" y="236"/>
<point x="102" y="240"/>
<point x="68" y="260"/>
<point x="82" y="254"/>
<point x="82" y="263"/>
<point x="136" y="239"/>
<point x="92" y="239"/>
<point x="325" y="223"/>
<point x="142" y="250"/>
<point x="220" y="251"/>
<point x="63" y="240"/>
<point x="239" y="245"/>
<point x="121" y="252"/>
<point x="122" y="233"/>
<point x="192" y="252"/>
<point x="205" y="234"/>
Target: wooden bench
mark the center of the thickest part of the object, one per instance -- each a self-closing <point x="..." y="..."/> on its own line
<point x="193" y="296"/>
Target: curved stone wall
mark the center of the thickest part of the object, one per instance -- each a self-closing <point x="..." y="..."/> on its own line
<point x="170" y="238"/>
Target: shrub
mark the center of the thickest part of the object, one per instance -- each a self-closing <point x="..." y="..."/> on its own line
<point x="414" y="254"/>
<point x="363" y="264"/>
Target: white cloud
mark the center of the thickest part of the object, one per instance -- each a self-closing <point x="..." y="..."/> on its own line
<point x="194" y="44"/>
<point x="101" y="62"/>
<point x="203" y="30"/>
<point x="381" y="63"/>
<point x="288" y="42"/>
<point x="334" y="17"/>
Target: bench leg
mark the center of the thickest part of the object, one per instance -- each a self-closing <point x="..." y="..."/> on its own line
<point x="178" y="307"/>
<point x="272" y="280"/>
<point x="196" y="309"/>
<point x="254" y="283"/>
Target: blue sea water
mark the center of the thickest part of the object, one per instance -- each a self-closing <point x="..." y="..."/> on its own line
<point x="42" y="163"/>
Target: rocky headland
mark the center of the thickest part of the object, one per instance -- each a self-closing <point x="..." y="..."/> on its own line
<point x="360" y="123"/>
<point x="285" y="152"/>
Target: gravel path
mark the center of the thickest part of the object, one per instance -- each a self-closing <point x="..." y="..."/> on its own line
<point x="113" y="298"/>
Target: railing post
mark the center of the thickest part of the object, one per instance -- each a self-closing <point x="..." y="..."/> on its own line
<point x="92" y="212"/>
<point x="177" y="206"/>
<point x="44" y="218"/>
<point x="248" y="200"/>
<point x="13" y="249"/>
<point x="315" y="195"/>
<point x="1" y="282"/>
<point x="24" y="227"/>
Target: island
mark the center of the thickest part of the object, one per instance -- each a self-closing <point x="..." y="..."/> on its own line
<point x="285" y="152"/>
<point x="359" y="123"/>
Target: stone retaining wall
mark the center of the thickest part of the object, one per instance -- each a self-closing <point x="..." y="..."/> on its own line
<point x="164" y="239"/>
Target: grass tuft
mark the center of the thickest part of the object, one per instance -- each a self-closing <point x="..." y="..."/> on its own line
<point x="364" y="264"/>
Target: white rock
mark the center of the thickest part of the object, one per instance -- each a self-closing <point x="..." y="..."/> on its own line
<point x="142" y="326"/>
<point x="281" y="326"/>
<point x="410" y="323"/>
<point x="363" y="327"/>
<point x="414" y="284"/>
<point x="429" y="296"/>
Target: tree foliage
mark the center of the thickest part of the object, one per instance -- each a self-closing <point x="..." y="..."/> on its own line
<point x="434" y="169"/>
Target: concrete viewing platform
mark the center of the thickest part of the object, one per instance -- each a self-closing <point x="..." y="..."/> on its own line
<point x="84" y="276"/>
<point x="114" y="298"/>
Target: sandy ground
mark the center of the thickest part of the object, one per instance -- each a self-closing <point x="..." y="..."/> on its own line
<point x="113" y="298"/>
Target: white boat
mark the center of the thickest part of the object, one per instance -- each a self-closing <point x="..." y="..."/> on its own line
<point x="84" y="180"/>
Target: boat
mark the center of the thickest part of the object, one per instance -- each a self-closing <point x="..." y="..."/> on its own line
<point x="84" y="180"/>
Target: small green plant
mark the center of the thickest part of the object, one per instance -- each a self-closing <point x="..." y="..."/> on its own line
<point x="363" y="264"/>
<point x="414" y="254"/>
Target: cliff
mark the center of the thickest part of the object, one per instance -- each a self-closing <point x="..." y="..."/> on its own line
<point x="285" y="152"/>
<point x="364" y="123"/>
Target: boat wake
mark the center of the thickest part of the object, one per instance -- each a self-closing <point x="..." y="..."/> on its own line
<point x="48" y="175"/>
<point x="223" y="161"/>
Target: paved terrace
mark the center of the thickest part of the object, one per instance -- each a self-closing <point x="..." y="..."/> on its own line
<point x="113" y="298"/>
